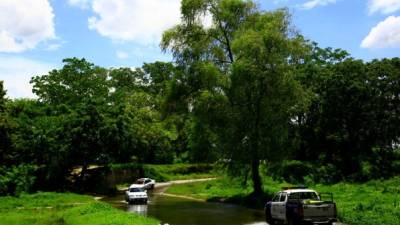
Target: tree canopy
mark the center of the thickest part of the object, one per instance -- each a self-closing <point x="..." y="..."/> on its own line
<point x="247" y="91"/>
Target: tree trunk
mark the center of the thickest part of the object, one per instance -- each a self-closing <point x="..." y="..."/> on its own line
<point x="246" y="176"/>
<point x="255" y="175"/>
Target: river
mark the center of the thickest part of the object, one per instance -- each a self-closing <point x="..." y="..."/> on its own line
<point x="180" y="211"/>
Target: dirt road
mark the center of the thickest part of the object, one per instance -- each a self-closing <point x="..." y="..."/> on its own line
<point x="162" y="185"/>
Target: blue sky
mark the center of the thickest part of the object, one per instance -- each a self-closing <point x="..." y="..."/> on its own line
<point x="36" y="35"/>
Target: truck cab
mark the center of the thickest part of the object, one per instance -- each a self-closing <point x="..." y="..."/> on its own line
<point x="298" y="205"/>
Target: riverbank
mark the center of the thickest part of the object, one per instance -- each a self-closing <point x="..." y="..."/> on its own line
<point x="64" y="209"/>
<point x="371" y="203"/>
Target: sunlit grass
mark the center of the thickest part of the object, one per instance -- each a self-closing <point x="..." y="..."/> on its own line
<point x="64" y="209"/>
<point x="180" y="171"/>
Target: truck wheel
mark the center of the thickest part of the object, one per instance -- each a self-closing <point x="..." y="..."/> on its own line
<point x="268" y="218"/>
<point x="271" y="222"/>
<point x="291" y="221"/>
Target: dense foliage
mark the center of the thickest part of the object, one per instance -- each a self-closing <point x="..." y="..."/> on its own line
<point x="352" y="124"/>
<point x="245" y="91"/>
<point x="85" y="115"/>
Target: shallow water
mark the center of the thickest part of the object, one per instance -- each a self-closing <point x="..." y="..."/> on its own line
<point x="179" y="211"/>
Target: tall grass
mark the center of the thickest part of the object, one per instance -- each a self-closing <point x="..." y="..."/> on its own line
<point x="371" y="203"/>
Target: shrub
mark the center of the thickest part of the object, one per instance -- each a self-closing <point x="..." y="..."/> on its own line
<point x="17" y="179"/>
<point x="292" y="171"/>
<point x="326" y="174"/>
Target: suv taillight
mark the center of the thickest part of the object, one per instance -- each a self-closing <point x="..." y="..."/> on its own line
<point x="300" y="210"/>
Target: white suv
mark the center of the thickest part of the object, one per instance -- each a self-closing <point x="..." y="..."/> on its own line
<point x="136" y="193"/>
<point x="146" y="183"/>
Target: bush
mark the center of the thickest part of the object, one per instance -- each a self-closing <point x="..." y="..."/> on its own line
<point x="17" y="179"/>
<point x="292" y="171"/>
<point x="326" y="174"/>
<point x="304" y="172"/>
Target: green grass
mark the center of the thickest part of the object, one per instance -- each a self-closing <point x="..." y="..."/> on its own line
<point x="169" y="172"/>
<point x="179" y="171"/>
<point x="372" y="203"/>
<point x="224" y="189"/>
<point x="64" y="209"/>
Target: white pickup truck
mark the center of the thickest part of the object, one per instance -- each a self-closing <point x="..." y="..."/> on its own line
<point x="298" y="205"/>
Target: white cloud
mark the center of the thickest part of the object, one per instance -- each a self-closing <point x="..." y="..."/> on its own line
<point x="140" y="21"/>
<point x="16" y="72"/>
<point x="122" y="55"/>
<point x="384" y="35"/>
<point x="207" y="20"/>
<point x="83" y="4"/>
<point x="24" y="24"/>
<point x="53" y="47"/>
<point x="383" y="6"/>
<point x="314" y="3"/>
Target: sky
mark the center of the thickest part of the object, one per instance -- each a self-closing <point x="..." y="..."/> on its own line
<point x="35" y="35"/>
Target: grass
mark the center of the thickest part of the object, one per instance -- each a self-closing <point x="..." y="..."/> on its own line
<point x="179" y="171"/>
<point x="227" y="190"/>
<point x="170" y="172"/>
<point x="64" y="209"/>
<point x="375" y="202"/>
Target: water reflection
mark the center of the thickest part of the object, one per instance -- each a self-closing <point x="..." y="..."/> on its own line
<point x="177" y="211"/>
<point x="257" y="223"/>
<point x="141" y="209"/>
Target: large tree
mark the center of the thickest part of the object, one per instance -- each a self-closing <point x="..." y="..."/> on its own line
<point x="238" y="78"/>
<point x="78" y="95"/>
<point x="4" y="125"/>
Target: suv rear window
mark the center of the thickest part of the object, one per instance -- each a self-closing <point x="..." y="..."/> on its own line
<point x="303" y="196"/>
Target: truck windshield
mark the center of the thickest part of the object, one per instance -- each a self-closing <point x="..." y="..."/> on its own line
<point x="304" y="196"/>
<point x="135" y="190"/>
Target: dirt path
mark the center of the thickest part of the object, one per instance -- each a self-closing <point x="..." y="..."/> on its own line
<point x="163" y="185"/>
<point x="169" y="183"/>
